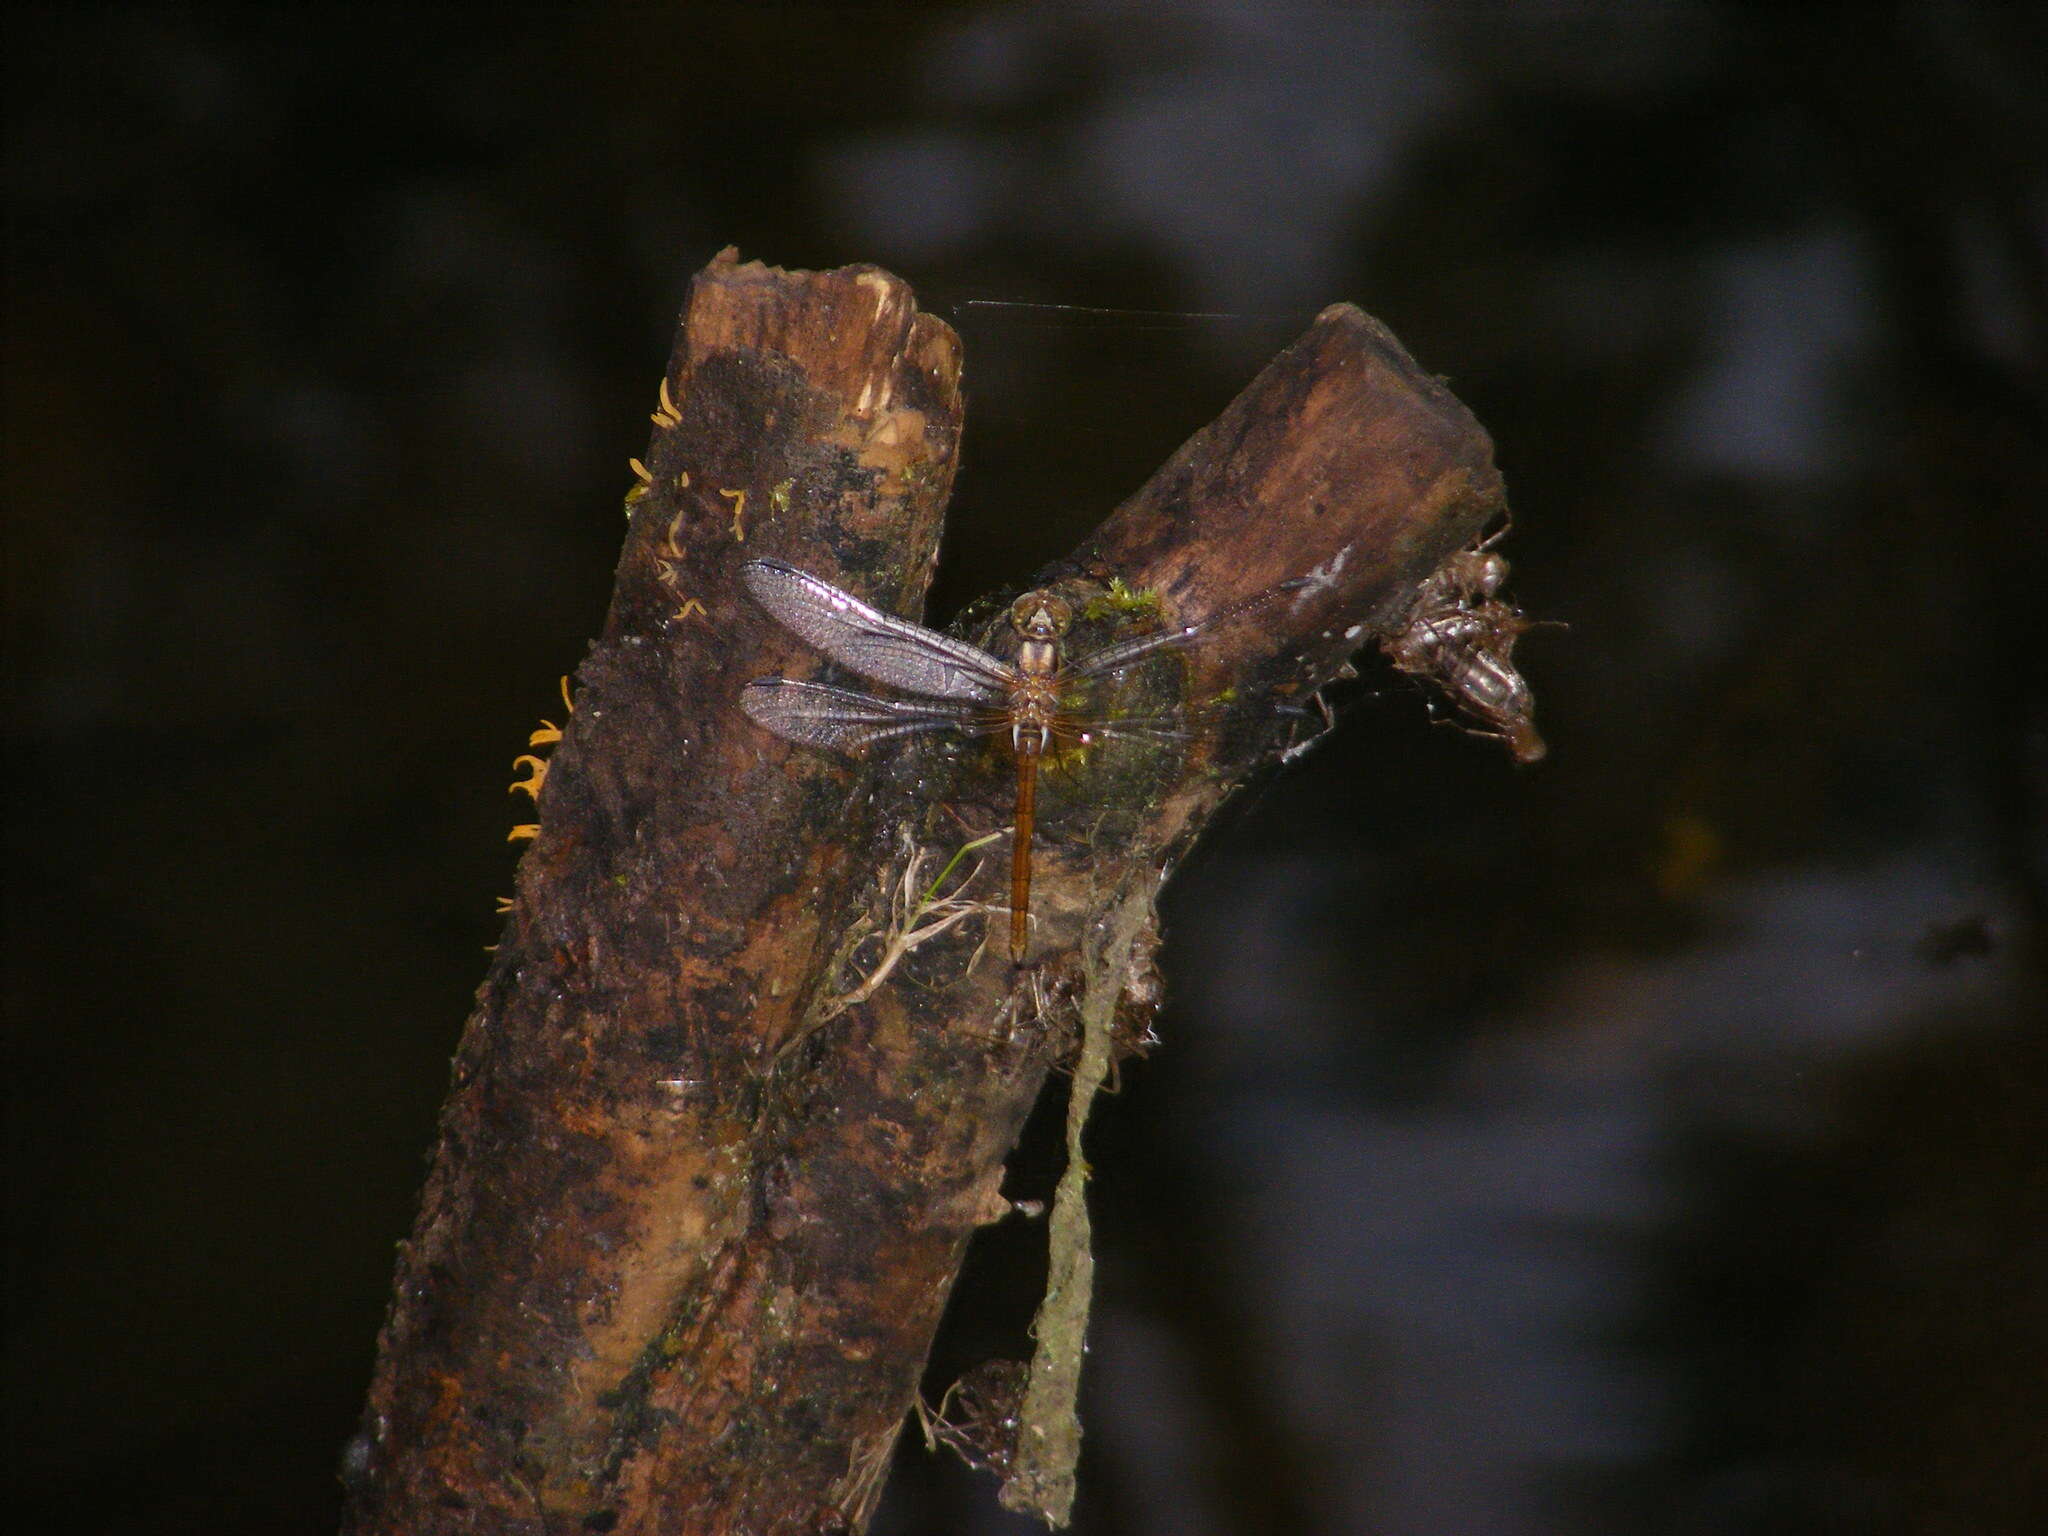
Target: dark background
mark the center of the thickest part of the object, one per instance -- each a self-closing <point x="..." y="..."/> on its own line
<point x="1649" y="1141"/>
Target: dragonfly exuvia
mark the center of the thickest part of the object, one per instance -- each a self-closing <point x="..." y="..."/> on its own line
<point x="950" y="685"/>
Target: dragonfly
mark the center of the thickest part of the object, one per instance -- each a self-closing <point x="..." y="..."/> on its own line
<point x="949" y="685"/>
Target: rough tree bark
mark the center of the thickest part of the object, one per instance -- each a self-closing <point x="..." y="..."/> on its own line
<point x="694" y="1211"/>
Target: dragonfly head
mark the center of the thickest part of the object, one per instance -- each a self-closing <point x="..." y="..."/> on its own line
<point x="1041" y="616"/>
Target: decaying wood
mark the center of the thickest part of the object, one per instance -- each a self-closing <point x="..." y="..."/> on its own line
<point x="702" y="1186"/>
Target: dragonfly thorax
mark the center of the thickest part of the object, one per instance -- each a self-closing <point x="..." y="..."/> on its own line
<point x="1034" y="700"/>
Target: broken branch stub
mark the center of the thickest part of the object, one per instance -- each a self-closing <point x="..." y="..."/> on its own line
<point x="596" y="1162"/>
<point x="1343" y="466"/>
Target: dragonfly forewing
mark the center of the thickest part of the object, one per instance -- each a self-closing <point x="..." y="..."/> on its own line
<point x="875" y="644"/>
<point x="1125" y="653"/>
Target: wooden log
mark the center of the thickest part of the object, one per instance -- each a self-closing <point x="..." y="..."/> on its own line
<point x="704" y="1178"/>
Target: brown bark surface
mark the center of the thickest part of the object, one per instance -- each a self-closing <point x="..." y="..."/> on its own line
<point x="693" y="1216"/>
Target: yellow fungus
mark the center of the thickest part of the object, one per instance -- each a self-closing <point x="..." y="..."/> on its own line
<point x="531" y="785"/>
<point x="739" y="511"/>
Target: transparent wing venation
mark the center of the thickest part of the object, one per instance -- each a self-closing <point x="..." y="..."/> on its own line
<point x="875" y="644"/>
<point x="1115" y="657"/>
<point x="1187" y="725"/>
<point x="841" y="720"/>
